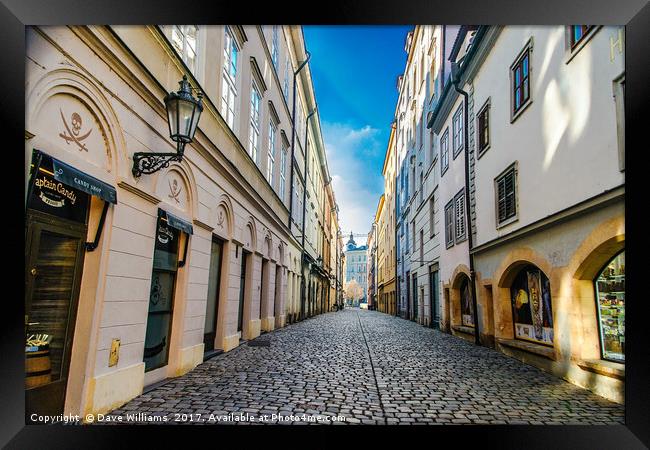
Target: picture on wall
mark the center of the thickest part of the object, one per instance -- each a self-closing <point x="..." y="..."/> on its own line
<point x="466" y="304"/>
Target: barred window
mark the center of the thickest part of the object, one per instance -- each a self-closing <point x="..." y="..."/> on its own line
<point x="506" y="191"/>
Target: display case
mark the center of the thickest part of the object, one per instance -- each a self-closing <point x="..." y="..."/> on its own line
<point x="610" y="297"/>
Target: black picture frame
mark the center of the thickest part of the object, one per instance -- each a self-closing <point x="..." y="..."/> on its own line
<point x="635" y="14"/>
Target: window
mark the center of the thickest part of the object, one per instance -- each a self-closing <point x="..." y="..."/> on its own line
<point x="531" y="306"/>
<point x="406" y="236"/>
<point x="459" y="214"/>
<point x="483" y="129"/>
<point x="449" y="224"/>
<point x="466" y="303"/>
<point x="610" y="299"/>
<point x="229" y="76"/>
<point x="506" y="189"/>
<point x="458" y="131"/>
<point x="283" y="169"/>
<point x="271" y="153"/>
<point x="422" y="246"/>
<point x="285" y="86"/>
<point x="444" y="152"/>
<point x="432" y="216"/>
<point x="274" y="47"/>
<point x="521" y="81"/>
<point x="413" y="231"/>
<point x="184" y="39"/>
<point x="421" y="187"/>
<point x="432" y="148"/>
<point x="254" y="134"/>
<point x="578" y="33"/>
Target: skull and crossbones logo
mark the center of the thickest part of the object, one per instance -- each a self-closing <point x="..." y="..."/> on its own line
<point x="72" y="134"/>
<point x="175" y="190"/>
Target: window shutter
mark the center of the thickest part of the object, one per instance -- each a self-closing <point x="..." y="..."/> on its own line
<point x="460" y="217"/>
<point x="507" y="205"/>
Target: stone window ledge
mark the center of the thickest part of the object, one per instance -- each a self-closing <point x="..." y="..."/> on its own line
<point x="463" y="329"/>
<point x="542" y="350"/>
<point x="607" y="368"/>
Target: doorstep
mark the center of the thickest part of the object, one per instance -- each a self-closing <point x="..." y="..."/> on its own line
<point x="541" y="350"/>
<point x="602" y="367"/>
<point x="463" y="329"/>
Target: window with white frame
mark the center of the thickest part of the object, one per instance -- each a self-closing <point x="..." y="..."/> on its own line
<point x="444" y="152"/>
<point x="228" y="79"/>
<point x="458" y="131"/>
<point x="283" y="169"/>
<point x="460" y="229"/>
<point x="432" y="216"/>
<point x="184" y="41"/>
<point x="274" y="47"/>
<point x="254" y="133"/>
<point x="270" y="166"/>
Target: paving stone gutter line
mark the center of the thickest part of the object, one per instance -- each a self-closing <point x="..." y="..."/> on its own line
<point x="372" y="366"/>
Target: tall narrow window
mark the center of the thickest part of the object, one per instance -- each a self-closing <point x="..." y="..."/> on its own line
<point x="283" y="169"/>
<point x="460" y="228"/>
<point x="483" y="129"/>
<point x="444" y="152"/>
<point x="421" y="187"/>
<point x="521" y="81"/>
<point x="229" y="77"/>
<point x="422" y="246"/>
<point x="285" y="86"/>
<point x="184" y="41"/>
<point x="274" y="47"/>
<point x="254" y="133"/>
<point x="506" y="196"/>
<point x="432" y="217"/>
<point x="449" y="223"/>
<point x="271" y="153"/>
<point x="458" y="131"/>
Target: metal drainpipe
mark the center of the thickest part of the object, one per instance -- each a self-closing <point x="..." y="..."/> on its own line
<point x="468" y="215"/>
<point x="304" y="210"/>
<point x="293" y="137"/>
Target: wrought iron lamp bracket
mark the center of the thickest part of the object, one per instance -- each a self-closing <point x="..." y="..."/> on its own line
<point x="148" y="163"/>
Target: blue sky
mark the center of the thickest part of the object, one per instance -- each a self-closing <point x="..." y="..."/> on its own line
<point x="355" y="69"/>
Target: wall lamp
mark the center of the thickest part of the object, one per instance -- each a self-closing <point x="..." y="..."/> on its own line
<point x="183" y="113"/>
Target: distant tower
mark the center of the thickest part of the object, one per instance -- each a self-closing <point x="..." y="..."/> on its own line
<point x="351" y="244"/>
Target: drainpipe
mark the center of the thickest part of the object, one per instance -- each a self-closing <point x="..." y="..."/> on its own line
<point x="293" y="137"/>
<point x="304" y="211"/>
<point x="455" y="78"/>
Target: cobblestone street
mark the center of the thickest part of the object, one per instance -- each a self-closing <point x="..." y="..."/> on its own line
<point x="372" y="368"/>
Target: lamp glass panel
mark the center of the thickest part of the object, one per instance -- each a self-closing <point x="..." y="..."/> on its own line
<point x="185" y="110"/>
<point x="172" y="113"/>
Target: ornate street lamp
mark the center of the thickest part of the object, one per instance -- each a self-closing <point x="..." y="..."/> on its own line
<point x="183" y="113"/>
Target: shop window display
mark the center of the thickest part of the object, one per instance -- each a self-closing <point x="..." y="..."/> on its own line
<point x="531" y="304"/>
<point x="466" y="304"/>
<point x="610" y="298"/>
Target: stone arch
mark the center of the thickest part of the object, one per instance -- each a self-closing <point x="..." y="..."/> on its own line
<point x="600" y="246"/>
<point x="505" y="275"/>
<point x="267" y="247"/>
<point x="75" y="86"/>
<point x="249" y="235"/>
<point x="456" y="277"/>
<point x="281" y="260"/>
<point x="224" y="217"/>
<point x="596" y="250"/>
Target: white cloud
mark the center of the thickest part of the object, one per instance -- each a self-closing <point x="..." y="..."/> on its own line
<point x="352" y="155"/>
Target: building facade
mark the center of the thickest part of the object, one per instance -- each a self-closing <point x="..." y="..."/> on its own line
<point x="163" y="270"/>
<point x="527" y="249"/>
<point x="356" y="267"/>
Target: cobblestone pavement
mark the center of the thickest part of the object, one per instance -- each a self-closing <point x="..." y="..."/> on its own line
<point x="370" y="368"/>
